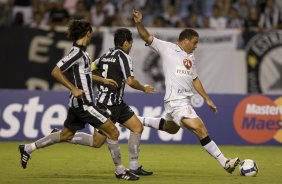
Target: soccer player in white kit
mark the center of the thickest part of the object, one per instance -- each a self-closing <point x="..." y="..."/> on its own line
<point x="180" y="79"/>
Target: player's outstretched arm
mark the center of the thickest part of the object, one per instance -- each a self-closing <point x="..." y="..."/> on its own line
<point x="143" y="32"/>
<point x="200" y="89"/>
<point x="135" y="84"/>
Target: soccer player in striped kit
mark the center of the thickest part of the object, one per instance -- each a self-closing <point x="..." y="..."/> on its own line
<point x="74" y="72"/>
<point x="116" y="64"/>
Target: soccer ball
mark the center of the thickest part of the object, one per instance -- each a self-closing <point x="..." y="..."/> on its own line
<point x="248" y="167"/>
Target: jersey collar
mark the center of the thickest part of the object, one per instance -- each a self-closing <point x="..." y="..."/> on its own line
<point x="119" y="48"/>
<point x="82" y="47"/>
<point x="178" y="49"/>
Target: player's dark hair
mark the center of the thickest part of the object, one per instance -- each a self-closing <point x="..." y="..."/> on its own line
<point x="188" y="34"/>
<point x="78" y="29"/>
<point x="122" y="35"/>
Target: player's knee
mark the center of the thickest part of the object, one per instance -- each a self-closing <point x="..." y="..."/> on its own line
<point x="114" y="134"/>
<point x="138" y="129"/>
<point x="66" y="137"/>
<point x="98" y="140"/>
<point x="97" y="144"/>
<point x="172" y="131"/>
<point x="171" y="128"/>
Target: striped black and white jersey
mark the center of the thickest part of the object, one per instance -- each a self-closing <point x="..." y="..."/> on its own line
<point x="116" y="65"/>
<point x="77" y="67"/>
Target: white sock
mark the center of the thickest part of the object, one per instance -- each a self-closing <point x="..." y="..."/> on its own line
<point x="82" y="139"/>
<point x="150" y="122"/>
<point x="213" y="150"/>
<point x="133" y="148"/>
<point x="114" y="149"/>
<point x="29" y="148"/>
<point x="120" y="169"/>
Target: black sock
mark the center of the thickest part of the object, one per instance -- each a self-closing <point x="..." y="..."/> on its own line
<point x="162" y="122"/>
<point x="205" y="141"/>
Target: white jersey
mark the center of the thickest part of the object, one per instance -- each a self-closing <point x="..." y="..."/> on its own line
<point x="179" y="69"/>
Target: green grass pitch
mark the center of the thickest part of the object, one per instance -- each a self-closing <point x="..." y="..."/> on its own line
<point x="172" y="164"/>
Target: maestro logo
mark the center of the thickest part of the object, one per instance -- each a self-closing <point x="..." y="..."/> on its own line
<point x="258" y="119"/>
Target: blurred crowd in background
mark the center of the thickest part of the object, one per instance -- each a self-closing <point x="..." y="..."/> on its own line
<point x="255" y="15"/>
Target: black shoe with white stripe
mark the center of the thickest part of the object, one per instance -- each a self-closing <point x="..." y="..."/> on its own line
<point x="24" y="156"/>
<point x="127" y="175"/>
<point x="141" y="172"/>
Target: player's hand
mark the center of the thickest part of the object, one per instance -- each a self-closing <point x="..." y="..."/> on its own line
<point x="77" y="92"/>
<point x="149" y="89"/>
<point x="211" y="105"/>
<point x="137" y="16"/>
<point x="110" y="82"/>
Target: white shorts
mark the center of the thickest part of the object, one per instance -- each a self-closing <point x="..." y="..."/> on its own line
<point x="177" y="109"/>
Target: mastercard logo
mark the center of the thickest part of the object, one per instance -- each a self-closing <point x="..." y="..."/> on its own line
<point x="258" y="119"/>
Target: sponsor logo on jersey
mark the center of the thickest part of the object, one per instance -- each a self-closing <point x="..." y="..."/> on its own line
<point x="112" y="60"/>
<point x="184" y="91"/>
<point x="258" y="119"/>
<point x="187" y="63"/>
<point x="181" y="70"/>
<point x="88" y="70"/>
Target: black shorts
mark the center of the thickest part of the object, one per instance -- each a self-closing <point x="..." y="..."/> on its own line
<point x="119" y="113"/>
<point x="78" y="117"/>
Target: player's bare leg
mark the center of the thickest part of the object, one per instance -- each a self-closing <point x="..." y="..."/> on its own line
<point x="159" y="124"/>
<point x="197" y="126"/>
<point x="170" y="127"/>
<point x="98" y="139"/>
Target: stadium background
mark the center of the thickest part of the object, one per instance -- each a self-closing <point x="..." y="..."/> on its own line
<point x="238" y="59"/>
